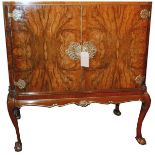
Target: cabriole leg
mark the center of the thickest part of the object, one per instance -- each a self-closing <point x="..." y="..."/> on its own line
<point x="116" y="110"/>
<point x="11" y="110"/>
<point x="144" y="109"/>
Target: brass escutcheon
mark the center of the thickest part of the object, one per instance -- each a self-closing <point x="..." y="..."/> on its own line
<point x="74" y="50"/>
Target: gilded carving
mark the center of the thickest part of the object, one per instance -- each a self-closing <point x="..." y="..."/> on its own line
<point x="82" y="103"/>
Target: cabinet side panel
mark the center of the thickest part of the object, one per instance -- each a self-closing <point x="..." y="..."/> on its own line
<point x="7" y="24"/>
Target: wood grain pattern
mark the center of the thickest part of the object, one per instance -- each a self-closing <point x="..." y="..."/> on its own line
<point x="39" y="44"/>
<point x="40" y="39"/>
<point x="9" y="47"/>
<point x="121" y="38"/>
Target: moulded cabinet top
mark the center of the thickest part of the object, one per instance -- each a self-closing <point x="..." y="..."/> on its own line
<point x="77" y="3"/>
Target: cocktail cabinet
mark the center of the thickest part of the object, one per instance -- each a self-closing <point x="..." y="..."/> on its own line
<point x="77" y="52"/>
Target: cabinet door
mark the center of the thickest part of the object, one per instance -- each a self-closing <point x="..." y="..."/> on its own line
<point x="120" y="33"/>
<point x="40" y="36"/>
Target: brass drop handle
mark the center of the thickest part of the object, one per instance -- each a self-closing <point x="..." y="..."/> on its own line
<point x="145" y="14"/>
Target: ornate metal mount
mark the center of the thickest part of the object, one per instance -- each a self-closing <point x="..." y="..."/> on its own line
<point x="21" y="84"/>
<point x="84" y="103"/>
<point x="16" y="14"/>
<point x="74" y="50"/>
<point x="145" y="14"/>
<point x="140" y="79"/>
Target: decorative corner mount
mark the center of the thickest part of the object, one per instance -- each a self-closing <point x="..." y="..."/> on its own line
<point x="16" y="14"/>
<point x="21" y="84"/>
<point x="145" y="14"/>
<point x="140" y="79"/>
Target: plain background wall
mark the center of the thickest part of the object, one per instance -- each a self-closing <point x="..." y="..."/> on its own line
<point x="73" y="130"/>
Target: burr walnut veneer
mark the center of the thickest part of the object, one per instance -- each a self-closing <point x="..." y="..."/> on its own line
<point x="45" y="46"/>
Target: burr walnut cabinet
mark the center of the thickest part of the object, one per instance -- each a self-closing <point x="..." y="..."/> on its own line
<point x="77" y="52"/>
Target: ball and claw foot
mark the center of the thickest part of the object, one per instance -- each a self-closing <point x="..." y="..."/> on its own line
<point x="141" y="140"/>
<point x="18" y="146"/>
<point x="117" y="112"/>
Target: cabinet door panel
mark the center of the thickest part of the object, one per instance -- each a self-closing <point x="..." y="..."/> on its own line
<point x="120" y="35"/>
<point x="40" y="37"/>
